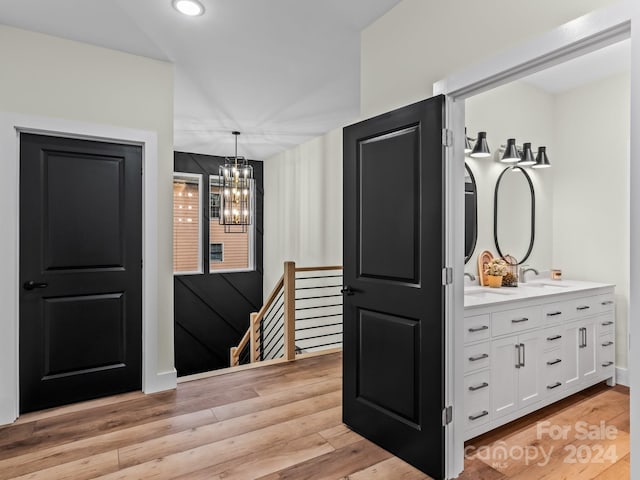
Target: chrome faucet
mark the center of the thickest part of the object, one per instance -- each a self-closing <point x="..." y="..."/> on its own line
<point x="471" y="277"/>
<point x="522" y="277"/>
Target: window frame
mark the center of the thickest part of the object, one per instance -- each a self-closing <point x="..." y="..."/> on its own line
<point x="221" y="251"/>
<point x="199" y="177"/>
<point x="251" y="231"/>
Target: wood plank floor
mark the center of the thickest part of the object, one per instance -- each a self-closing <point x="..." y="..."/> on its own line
<point x="280" y="422"/>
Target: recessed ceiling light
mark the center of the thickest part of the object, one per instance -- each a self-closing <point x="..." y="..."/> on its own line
<point x="192" y="8"/>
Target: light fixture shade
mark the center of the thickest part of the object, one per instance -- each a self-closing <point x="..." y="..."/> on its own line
<point x="467" y="142"/>
<point x="190" y="8"/>
<point x="511" y="154"/>
<point x="236" y="195"/>
<point x="542" y="161"/>
<point x="526" y="159"/>
<point x="481" y="148"/>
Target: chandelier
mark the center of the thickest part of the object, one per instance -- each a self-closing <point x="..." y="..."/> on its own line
<point x="236" y="200"/>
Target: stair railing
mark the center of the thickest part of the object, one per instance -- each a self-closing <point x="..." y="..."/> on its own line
<point x="303" y="313"/>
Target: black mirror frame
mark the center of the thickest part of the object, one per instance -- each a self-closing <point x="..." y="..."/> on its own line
<point x="475" y="225"/>
<point x="533" y="213"/>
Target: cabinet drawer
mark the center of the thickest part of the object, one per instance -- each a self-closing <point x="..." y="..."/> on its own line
<point x="606" y="351"/>
<point x="477" y="399"/>
<point x="514" y="321"/>
<point x="552" y="337"/>
<point x="553" y="372"/>
<point x="606" y="302"/>
<point x="556" y="312"/>
<point x="477" y="356"/>
<point x="585" y="307"/>
<point x="606" y="324"/>
<point x="477" y="328"/>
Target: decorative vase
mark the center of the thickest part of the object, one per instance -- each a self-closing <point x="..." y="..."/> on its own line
<point x="495" y="281"/>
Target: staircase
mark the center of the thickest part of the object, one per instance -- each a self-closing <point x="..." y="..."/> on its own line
<point x="302" y="314"/>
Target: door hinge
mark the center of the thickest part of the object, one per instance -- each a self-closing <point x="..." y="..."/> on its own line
<point x="141" y="263"/>
<point x="447" y="276"/>
<point x="447" y="415"/>
<point x="447" y="137"/>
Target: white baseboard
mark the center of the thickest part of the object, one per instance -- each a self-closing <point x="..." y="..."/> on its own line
<point x="622" y="376"/>
<point x="162" y="381"/>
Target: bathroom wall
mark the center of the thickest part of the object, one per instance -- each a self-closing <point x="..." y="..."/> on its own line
<point x="523" y="112"/>
<point x="591" y="194"/>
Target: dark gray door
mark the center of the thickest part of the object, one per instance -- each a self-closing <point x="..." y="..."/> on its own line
<point x="80" y="270"/>
<point x="394" y="298"/>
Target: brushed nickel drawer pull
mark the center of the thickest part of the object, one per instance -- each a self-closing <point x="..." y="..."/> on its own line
<point x="520" y="320"/>
<point x="606" y="324"/>
<point x="555" y="337"/>
<point x="479" y="357"/>
<point x="554" y="362"/>
<point x="607" y="344"/>
<point x="608" y="302"/>
<point x="474" y="388"/>
<point x="479" y="329"/>
<point x="607" y="364"/>
<point x="555" y="385"/>
<point x="583" y="307"/>
<point x="553" y="314"/>
<point x="479" y="415"/>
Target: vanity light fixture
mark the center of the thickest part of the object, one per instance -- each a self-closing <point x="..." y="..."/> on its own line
<point x="191" y="8"/>
<point x="542" y="161"/>
<point x="467" y="142"/>
<point x="511" y="154"/>
<point x="526" y="158"/>
<point x="481" y="148"/>
<point x="236" y="202"/>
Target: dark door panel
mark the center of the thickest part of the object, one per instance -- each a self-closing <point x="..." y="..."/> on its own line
<point x="80" y="270"/>
<point x="393" y="258"/>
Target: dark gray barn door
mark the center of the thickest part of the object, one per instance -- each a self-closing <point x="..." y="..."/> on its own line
<point x="394" y="297"/>
<point x="80" y="270"/>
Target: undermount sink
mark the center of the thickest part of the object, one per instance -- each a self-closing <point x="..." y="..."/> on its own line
<point x="543" y="285"/>
<point x="484" y="292"/>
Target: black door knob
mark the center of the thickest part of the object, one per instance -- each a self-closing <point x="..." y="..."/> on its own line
<point x="347" y="290"/>
<point x="31" y="285"/>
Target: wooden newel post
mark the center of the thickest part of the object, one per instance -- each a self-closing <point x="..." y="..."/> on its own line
<point x="290" y="310"/>
<point x="233" y="361"/>
<point x="254" y="344"/>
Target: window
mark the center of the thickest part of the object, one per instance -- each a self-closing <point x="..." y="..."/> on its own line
<point x="214" y="199"/>
<point x="187" y="228"/>
<point x="216" y="252"/>
<point x="228" y="251"/>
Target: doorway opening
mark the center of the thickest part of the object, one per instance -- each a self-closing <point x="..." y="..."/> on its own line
<point x="561" y="213"/>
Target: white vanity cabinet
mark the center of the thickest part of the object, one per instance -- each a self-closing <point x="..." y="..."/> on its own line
<point x="528" y="347"/>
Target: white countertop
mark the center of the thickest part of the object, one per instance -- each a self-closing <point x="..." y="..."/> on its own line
<point x="476" y="296"/>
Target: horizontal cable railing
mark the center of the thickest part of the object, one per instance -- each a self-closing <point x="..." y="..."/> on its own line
<point x="302" y="314"/>
<point x="318" y="309"/>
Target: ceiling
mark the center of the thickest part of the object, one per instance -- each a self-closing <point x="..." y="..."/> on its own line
<point x="582" y="70"/>
<point x="280" y="71"/>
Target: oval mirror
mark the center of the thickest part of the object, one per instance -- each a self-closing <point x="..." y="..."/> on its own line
<point x="470" y="213"/>
<point x="514" y="214"/>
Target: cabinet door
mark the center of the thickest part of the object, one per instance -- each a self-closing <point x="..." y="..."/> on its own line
<point x="504" y="372"/>
<point x="587" y="359"/>
<point x="571" y="340"/>
<point x="530" y="371"/>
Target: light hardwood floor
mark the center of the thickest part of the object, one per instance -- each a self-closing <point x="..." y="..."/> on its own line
<point x="273" y="423"/>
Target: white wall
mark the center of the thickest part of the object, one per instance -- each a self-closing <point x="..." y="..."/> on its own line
<point x="303" y="207"/>
<point x="422" y="41"/>
<point x="591" y="198"/>
<point x="523" y="112"/>
<point x="51" y="77"/>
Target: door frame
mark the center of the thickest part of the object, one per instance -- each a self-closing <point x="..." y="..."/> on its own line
<point x="11" y="126"/>
<point x="585" y="34"/>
